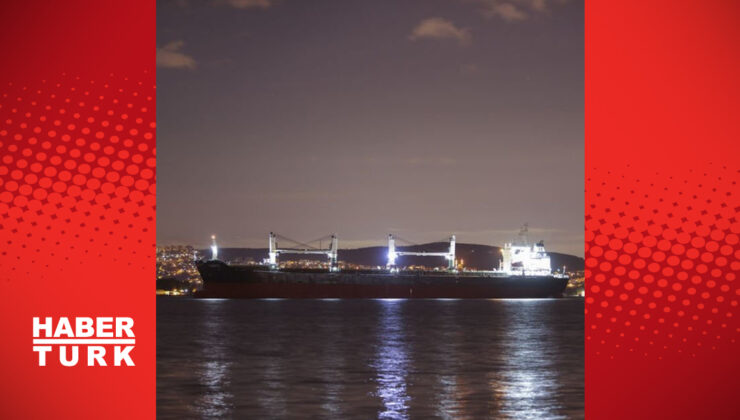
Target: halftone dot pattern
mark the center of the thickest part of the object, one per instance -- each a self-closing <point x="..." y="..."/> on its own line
<point x="77" y="173"/>
<point x="77" y="200"/>
<point x="662" y="261"/>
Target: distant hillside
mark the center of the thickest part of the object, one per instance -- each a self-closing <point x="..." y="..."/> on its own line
<point x="480" y="257"/>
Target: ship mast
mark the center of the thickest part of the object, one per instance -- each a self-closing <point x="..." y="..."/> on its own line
<point x="214" y="248"/>
<point x="524" y="235"/>
<point x="391" y="264"/>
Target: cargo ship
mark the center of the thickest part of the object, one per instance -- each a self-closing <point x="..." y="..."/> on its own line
<point x="524" y="272"/>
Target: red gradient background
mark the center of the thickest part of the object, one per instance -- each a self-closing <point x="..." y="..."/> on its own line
<point x="662" y="250"/>
<point x="77" y="206"/>
<point x="77" y="198"/>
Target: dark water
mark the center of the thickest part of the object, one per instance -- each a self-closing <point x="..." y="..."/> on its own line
<point x="369" y="358"/>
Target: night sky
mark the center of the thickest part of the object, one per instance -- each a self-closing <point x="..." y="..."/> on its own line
<point x="420" y="118"/>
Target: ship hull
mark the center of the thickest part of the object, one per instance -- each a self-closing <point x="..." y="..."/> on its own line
<point x="224" y="281"/>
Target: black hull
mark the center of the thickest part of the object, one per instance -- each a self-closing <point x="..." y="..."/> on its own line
<point x="224" y="281"/>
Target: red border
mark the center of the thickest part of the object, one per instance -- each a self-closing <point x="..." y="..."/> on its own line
<point x="661" y="209"/>
<point x="77" y="198"/>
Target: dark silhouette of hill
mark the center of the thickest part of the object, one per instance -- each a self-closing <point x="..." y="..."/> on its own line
<point x="479" y="257"/>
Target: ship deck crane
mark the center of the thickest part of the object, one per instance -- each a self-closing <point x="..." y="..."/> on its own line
<point x="331" y="253"/>
<point x="393" y="254"/>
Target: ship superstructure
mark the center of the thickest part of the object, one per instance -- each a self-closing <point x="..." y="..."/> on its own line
<point x="523" y="259"/>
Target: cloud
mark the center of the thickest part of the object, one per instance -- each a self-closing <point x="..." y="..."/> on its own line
<point x="505" y="11"/>
<point x="170" y="56"/>
<point x="250" y="4"/>
<point x="438" y="28"/>
<point x="512" y="10"/>
<point x="538" y="5"/>
<point x="237" y="4"/>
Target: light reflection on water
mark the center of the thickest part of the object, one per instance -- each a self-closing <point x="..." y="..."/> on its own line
<point x="389" y="359"/>
<point x="446" y="387"/>
<point x="528" y="382"/>
<point x="213" y="373"/>
<point x="332" y="369"/>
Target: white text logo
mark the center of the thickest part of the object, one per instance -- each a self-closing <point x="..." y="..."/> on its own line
<point x="103" y="341"/>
